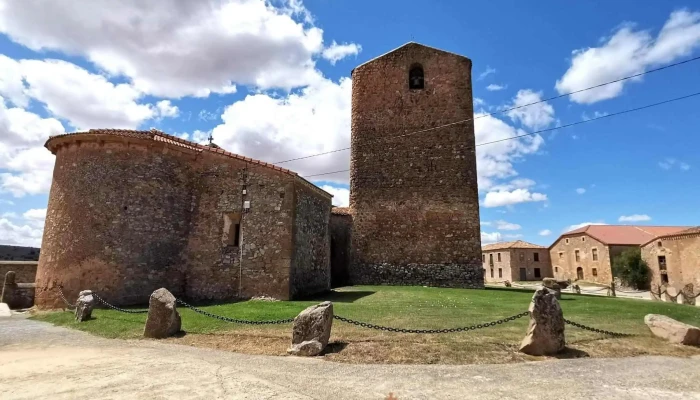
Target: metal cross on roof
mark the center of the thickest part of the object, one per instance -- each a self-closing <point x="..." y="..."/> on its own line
<point x="211" y="138"/>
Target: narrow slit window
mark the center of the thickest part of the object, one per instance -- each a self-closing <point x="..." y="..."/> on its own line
<point x="499" y="256"/>
<point x="415" y="78"/>
<point x="536" y="257"/>
<point x="232" y="229"/>
<point x="537" y="273"/>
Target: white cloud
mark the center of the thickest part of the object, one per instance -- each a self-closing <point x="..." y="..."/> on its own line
<point x="596" y="115"/>
<point x="628" y="52"/>
<point x="174" y="48"/>
<point x="513" y="236"/>
<point x="27" y="232"/>
<point x="341" y="196"/>
<point x="314" y="120"/>
<point x="580" y="190"/>
<point x="478" y="102"/>
<point x="495" y="160"/>
<point x="26" y="164"/>
<point x="488" y="71"/>
<point x="634" y="218"/>
<point x="581" y="225"/>
<point x="485" y="223"/>
<point x="505" y="198"/>
<point x="670" y="163"/>
<point x="166" y="109"/>
<point x="495" y="87"/>
<point x="533" y="116"/>
<point x="492" y="237"/>
<point x="336" y="52"/>
<point x="545" y="232"/>
<point x="507" y="226"/>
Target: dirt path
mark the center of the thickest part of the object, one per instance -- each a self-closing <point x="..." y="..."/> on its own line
<point x="41" y="361"/>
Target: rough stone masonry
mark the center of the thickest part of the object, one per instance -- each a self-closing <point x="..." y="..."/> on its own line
<point x="414" y="199"/>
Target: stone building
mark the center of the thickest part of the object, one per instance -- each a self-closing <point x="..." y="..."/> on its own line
<point x="586" y="253"/>
<point x="674" y="259"/>
<point x="133" y="211"/>
<point x="515" y="261"/>
<point x="413" y="187"/>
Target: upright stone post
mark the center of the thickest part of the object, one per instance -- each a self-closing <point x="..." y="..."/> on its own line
<point x="679" y="299"/>
<point x="8" y="288"/>
<point x="312" y="329"/>
<point x="545" y="334"/>
<point x="84" y="305"/>
<point x="551" y="283"/>
<point x="163" y="319"/>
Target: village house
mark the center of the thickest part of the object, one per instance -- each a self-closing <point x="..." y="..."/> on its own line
<point x="515" y="261"/>
<point x="586" y="253"/>
<point x="674" y="259"/>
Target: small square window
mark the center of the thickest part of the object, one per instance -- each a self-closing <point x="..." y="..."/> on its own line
<point x="536" y="256"/>
<point x="537" y="273"/>
<point x="556" y="269"/>
<point x="561" y="254"/>
<point x="567" y="240"/>
<point x="583" y="238"/>
<point x="659" y="244"/>
<point x="595" y="271"/>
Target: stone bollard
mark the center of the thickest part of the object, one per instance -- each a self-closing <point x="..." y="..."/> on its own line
<point x="679" y="299"/>
<point x="551" y="283"/>
<point x="163" y="319"/>
<point x="545" y="334"/>
<point x="312" y="329"/>
<point x="8" y="288"/>
<point x="84" y="306"/>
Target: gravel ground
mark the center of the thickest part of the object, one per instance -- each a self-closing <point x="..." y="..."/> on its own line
<point x="38" y="360"/>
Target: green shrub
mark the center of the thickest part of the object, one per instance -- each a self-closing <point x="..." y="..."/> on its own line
<point x="631" y="269"/>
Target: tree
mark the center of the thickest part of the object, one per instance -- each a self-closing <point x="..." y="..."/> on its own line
<point x="631" y="269"/>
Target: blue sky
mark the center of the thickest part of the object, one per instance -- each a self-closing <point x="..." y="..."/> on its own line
<point x="271" y="81"/>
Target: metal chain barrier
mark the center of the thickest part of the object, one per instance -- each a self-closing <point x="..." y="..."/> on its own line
<point x="430" y="331"/>
<point x="113" y="307"/>
<point x="233" y="320"/>
<point x="60" y="293"/>
<point x="588" y="328"/>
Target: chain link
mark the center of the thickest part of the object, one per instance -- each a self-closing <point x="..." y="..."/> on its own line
<point x="588" y="328"/>
<point x="430" y="331"/>
<point x="233" y="320"/>
<point x="113" y="307"/>
<point x="60" y="293"/>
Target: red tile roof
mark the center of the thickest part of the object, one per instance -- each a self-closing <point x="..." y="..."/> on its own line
<point x="518" y="244"/>
<point x="625" y="234"/>
<point x="341" y="211"/>
<point x="694" y="231"/>
<point x="160" y="136"/>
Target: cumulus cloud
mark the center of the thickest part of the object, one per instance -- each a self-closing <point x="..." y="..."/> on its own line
<point x="24" y="231"/>
<point x="488" y="71"/>
<point x="314" y="120"/>
<point x="545" y="232"/>
<point x="507" y="226"/>
<point x="580" y="190"/>
<point x="166" y="109"/>
<point x="341" y="196"/>
<point x="628" y="52"/>
<point x="501" y="198"/>
<point x="634" y="218"/>
<point x="173" y="48"/>
<point x="495" y="87"/>
<point x="336" y="52"/>
<point x="581" y="225"/>
<point x="492" y="237"/>
<point x="535" y="116"/>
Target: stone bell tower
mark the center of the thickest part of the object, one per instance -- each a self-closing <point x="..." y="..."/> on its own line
<point x="413" y="181"/>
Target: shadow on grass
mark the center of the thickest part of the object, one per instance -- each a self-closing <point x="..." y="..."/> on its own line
<point x="509" y="289"/>
<point x="570" y="352"/>
<point x="116" y="318"/>
<point x="334" y="347"/>
<point x="342" y="297"/>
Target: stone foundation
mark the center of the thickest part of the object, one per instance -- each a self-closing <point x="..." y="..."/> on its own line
<point x="436" y="275"/>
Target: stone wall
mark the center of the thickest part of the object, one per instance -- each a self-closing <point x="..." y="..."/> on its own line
<point x="311" y="271"/>
<point x="564" y="264"/>
<point x="414" y="198"/>
<point x="340" y="227"/>
<point x="682" y="260"/>
<point x="497" y="271"/>
<point x="259" y="265"/>
<point x="16" y="295"/>
<point x="25" y="271"/>
<point x="117" y="221"/>
<point x="512" y="260"/>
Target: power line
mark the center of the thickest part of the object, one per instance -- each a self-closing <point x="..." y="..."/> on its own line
<point x="559" y="127"/>
<point x="504" y="110"/>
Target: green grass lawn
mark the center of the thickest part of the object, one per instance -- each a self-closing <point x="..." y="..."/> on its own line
<point x="412" y="307"/>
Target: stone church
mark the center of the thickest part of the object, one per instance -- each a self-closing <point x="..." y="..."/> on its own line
<point x="414" y="209"/>
<point x="132" y="211"/>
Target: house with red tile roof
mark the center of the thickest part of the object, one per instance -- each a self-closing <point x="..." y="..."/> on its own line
<point x="674" y="259"/>
<point x="586" y="253"/>
<point x="515" y="261"/>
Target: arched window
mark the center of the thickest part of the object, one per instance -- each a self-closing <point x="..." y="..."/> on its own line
<point x="415" y="77"/>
